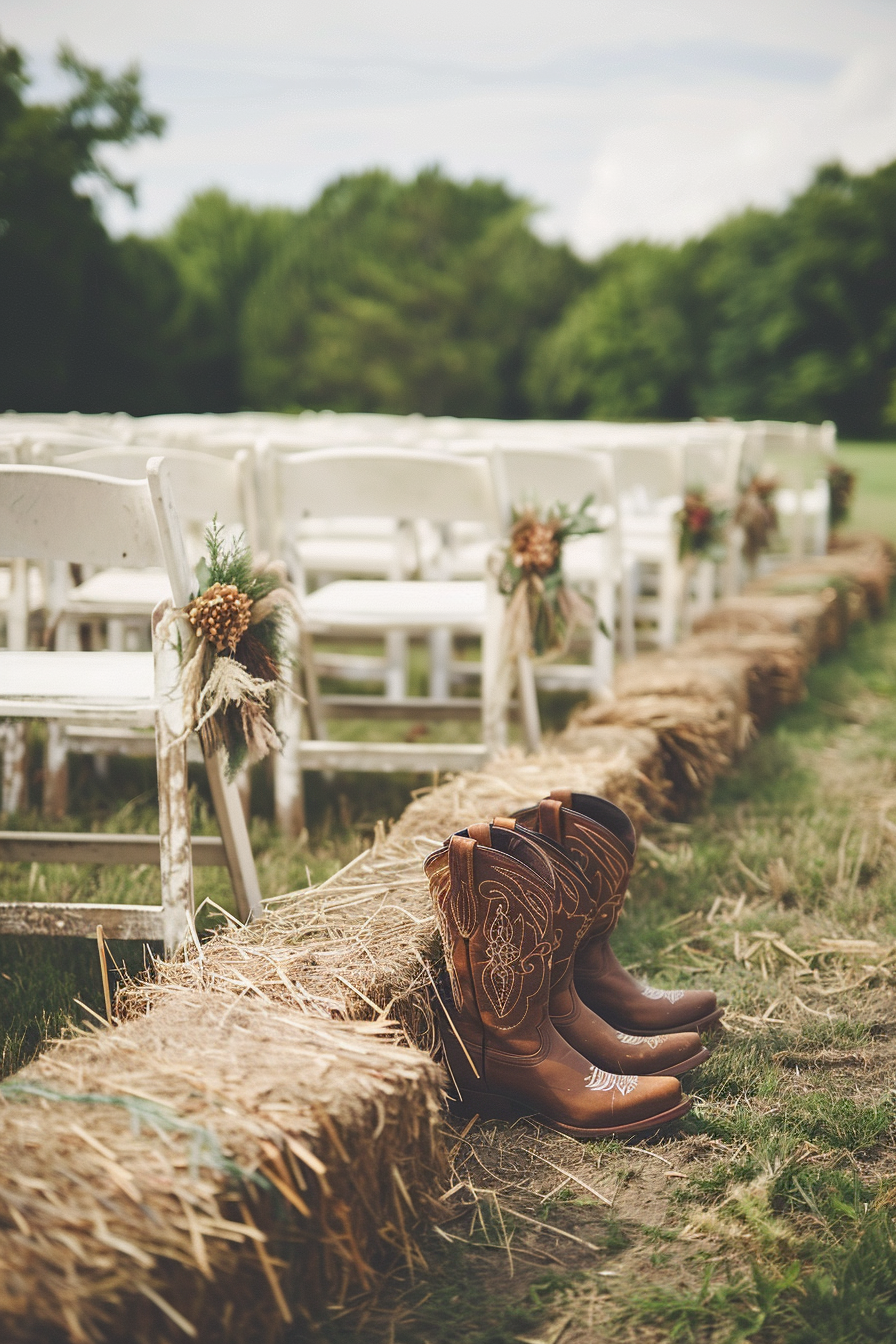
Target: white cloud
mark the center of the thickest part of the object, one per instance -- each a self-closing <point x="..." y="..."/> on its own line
<point x="649" y="119"/>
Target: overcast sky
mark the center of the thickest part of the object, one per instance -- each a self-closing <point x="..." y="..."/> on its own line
<point x="645" y="118"/>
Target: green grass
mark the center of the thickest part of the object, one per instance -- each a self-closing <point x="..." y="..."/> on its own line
<point x="874" y="509"/>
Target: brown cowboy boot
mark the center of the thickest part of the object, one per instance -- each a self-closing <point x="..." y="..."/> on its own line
<point x="574" y="914"/>
<point x="494" y="904"/>
<point x="602" y="840"/>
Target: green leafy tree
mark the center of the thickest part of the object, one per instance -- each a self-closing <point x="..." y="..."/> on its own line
<point x="218" y="248"/>
<point x="801" y="306"/>
<point x="61" y="277"/>
<point x="419" y="296"/>
<point x="626" y="349"/>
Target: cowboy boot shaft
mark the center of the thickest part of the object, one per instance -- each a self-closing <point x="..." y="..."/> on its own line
<point x="495" y="915"/>
<point x="604" y="859"/>
<point x="574" y="907"/>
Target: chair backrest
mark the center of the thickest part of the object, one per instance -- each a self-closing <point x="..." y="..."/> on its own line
<point x="202" y="485"/>
<point x="546" y="476"/>
<point x="713" y="464"/>
<point x="54" y="513"/>
<point x="651" y="471"/>
<point x="381" y="483"/>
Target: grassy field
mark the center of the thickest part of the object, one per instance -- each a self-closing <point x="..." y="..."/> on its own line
<point x="875" y="505"/>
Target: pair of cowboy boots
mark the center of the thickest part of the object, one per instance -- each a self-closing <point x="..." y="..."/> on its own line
<point x="540" y="1018"/>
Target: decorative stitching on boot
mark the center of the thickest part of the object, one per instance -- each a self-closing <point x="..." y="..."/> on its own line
<point x="463" y="887"/>
<point x="598" y="1080"/>
<point x="671" y="995"/>
<point x="651" y="1041"/>
<point x="513" y="944"/>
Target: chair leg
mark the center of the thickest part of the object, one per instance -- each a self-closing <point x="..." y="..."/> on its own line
<point x="529" y="703"/>
<point x="17" y="612"/>
<point x="243" y="784"/>
<point x="55" y="791"/>
<point x="14" y="744"/>
<point x="235" y="835"/>
<point x="396" y="665"/>
<point x="440" y="663"/>
<point x="175" y="851"/>
<point x="603" y="645"/>
<point x="495" y="677"/>
<point x="315" y="707"/>
<point x="627" y="585"/>
<point x="673" y="586"/>
<point x="289" y="795"/>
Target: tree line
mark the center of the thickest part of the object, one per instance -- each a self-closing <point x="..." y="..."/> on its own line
<point x="426" y="295"/>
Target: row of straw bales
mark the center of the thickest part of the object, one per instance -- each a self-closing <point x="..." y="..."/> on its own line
<point x="254" y="1142"/>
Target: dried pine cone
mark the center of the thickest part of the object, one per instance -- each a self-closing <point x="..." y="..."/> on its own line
<point x="222" y="614"/>
<point x="535" y="546"/>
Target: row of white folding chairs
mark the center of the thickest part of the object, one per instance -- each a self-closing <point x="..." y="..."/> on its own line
<point x="652" y="484"/>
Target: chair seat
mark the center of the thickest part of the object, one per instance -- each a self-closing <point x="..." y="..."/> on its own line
<point x="349" y="555"/>
<point x="120" y="592"/>
<point x="351" y="604"/>
<point x="102" y="686"/>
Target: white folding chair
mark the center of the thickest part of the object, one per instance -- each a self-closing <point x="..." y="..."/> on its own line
<point x="527" y="475"/>
<point x="650" y="486"/>
<point x="203" y="486"/>
<point x="408" y="487"/>
<point x="53" y="514"/>
<point x="798" y="456"/>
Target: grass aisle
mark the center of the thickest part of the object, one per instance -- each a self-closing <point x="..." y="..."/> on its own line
<point x="768" y="1216"/>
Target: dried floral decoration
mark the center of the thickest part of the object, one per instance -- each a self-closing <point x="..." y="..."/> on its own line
<point x="702" y="525"/>
<point x="543" y="611"/>
<point x="231" y="663"/>
<point x="841" y="484"/>
<point x="757" y="516"/>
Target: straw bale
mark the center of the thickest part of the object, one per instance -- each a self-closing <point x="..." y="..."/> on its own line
<point x="698" y="737"/>
<point x="765" y="613"/>
<point x="708" y="676"/>
<point x="775" y="666"/>
<point x="358" y="946"/>
<point x="869" y="561"/>
<point x="842" y="599"/>
<point x="621" y="766"/>
<point x="208" y="1171"/>
<point x="698" y="707"/>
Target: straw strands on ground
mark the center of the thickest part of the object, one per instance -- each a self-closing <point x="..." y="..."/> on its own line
<point x="208" y="1171"/>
